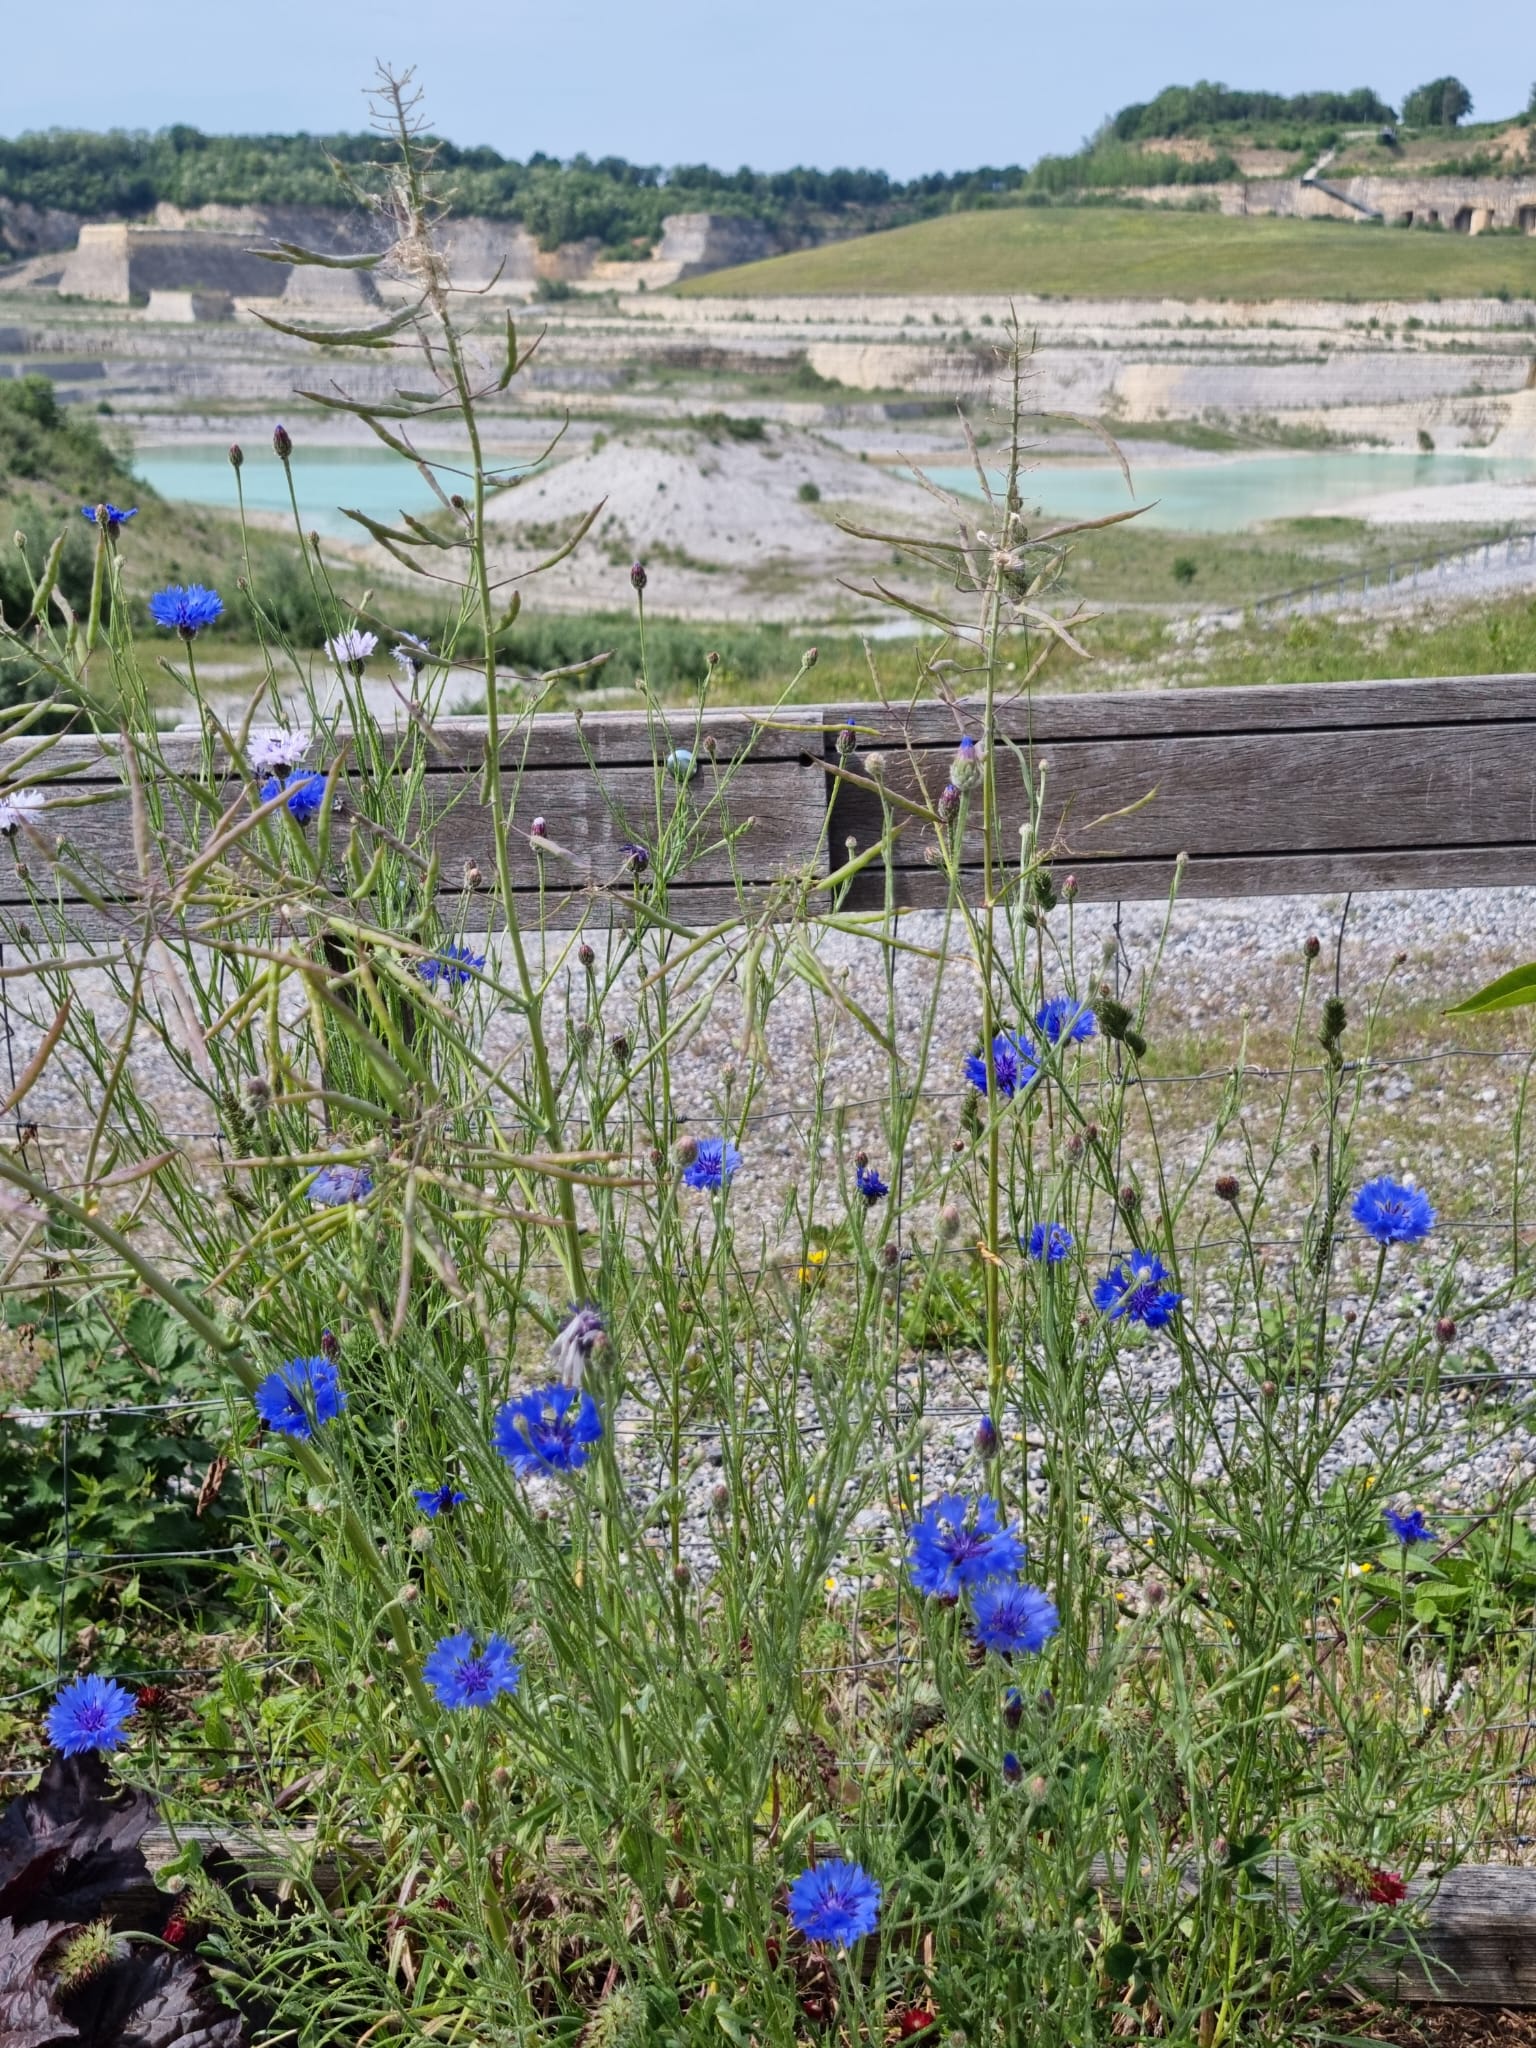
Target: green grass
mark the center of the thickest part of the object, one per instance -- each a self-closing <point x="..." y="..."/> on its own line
<point x="1124" y="252"/>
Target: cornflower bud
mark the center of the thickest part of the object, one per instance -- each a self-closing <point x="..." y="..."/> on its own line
<point x="618" y="1045"/>
<point x="948" y="804"/>
<point x="408" y="1595"/>
<point x="538" y="829"/>
<point x="1311" y="947"/>
<point x="658" y="1157"/>
<point x="1267" y="1389"/>
<point x="1013" y="1707"/>
<point x="712" y="659"/>
<point x="682" y="1576"/>
<point x="846" y="737"/>
<point x="470" y="1810"/>
<point x="421" y="1537"/>
<point x="1038" y="1788"/>
<point x="986" y="1437"/>
<point x="686" y="1150"/>
<point x="258" y="1090"/>
<point x="474" y="877"/>
<point x="330" y="1347"/>
<point x="1013" y="1770"/>
<point x="1445" y="1330"/>
<point x="874" y="767"/>
<point x="949" y="1220"/>
<point x="1074" y="1147"/>
<point x="719" y="1498"/>
<point x="585" y="954"/>
<point x="236" y="455"/>
<point x="965" y="769"/>
<point x="501" y="1777"/>
<point x="282" y="444"/>
<point x="1129" y="1200"/>
<point x="890" y="1254"/>
<point x="1154" y="1592"/>
<point x="810" y="657"/>
<point x="637" y="575"/>
<point x="1226" y="1186"/>
<point x="1069" y="887"/>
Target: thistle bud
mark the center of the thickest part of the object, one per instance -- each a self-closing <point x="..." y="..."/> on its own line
<point x="236" y="455"/>
<point x="282" y="443"/>
<point x="949" y="1220"/>
<point x="1445" y="1330"/>
<point x="986" y="1437"/>
<point x="637" y="575"/>
<point x="1226" y="1187"/>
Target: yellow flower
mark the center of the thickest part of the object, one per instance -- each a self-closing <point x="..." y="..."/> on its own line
<point x="815" y="1259"/>
<point x="830" y="1583"/>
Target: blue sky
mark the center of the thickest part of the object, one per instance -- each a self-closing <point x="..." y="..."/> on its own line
<point x="903" y="85"/>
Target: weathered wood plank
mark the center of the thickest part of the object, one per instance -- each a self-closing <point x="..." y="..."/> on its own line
<point x="1297" y="788"/>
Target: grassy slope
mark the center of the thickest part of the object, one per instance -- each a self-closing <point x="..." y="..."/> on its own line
<point x="1128" y="252"/>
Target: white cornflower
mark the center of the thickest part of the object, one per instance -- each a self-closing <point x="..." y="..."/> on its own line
<point x="270" y="750"/>
<point x="412" y="654"/>
<point x="352" y="648"/>
<point x="19" y="804"/>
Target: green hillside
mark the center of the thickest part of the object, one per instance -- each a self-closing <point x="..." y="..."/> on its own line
<point x="1144" y="252"/>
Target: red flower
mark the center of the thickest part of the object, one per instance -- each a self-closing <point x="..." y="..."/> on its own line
<point x="914" y="2020"/>
<point x="1385" y="1888"/>
<point x="175" y="1931"/>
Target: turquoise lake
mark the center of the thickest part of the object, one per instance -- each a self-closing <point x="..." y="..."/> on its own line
<point x="366" y="479"/>
<point x="1226" y="493"/>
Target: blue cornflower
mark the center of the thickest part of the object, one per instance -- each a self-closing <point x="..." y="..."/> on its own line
<point x="636" y="859"/>
<point x="185" y="608"/>
<point x="91" y="1713"/>
<point x="280" y="1399"/>
<point x="1408" y="1528"/>
<point x="834" y="1902"/>
<point x="1135" y="1290"/>
<point x="1012" y="1618"/>
<point x="1064" y="1020"/>
<point x="957" y="1543"/>
<point x="870" y="1185"/>
<point x="1392" y="1213"/>
<point x="1050" y="1242"/>
<point x="462" y="1677"/>
<point x="713" y="1164"/>
<point x="453" y="966"/>
<point x="1013" y="1063"/>
<point x="306" y="793"/>
<point x="115" y="517"/>
<point x="438" y="1500"/>
<point x="334" y="1186"/>
<point x="547" y="1432"/>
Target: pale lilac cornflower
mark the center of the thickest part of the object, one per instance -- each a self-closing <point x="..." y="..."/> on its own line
<point x="352" y="648"/>
<point x="18" y="807"/>
<point x="272" y="751"/>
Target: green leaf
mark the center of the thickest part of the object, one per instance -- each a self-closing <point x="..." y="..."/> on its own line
<point x="294" y="252"/>
<point x="1512" y="991"/>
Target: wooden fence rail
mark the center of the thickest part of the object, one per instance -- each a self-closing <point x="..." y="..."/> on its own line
<point x="1269" y="791"/>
